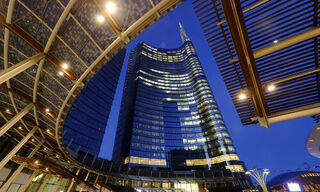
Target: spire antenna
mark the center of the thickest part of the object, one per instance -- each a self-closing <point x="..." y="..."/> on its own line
<point x="183" y="34"/>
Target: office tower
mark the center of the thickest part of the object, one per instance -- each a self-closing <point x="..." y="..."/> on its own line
<point x="169" y="117"/>
<point x="87" y="118"/>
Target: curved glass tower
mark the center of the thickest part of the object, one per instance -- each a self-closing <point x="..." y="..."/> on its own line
<point x="169" y="117"/>
<point x="86" y="120"/>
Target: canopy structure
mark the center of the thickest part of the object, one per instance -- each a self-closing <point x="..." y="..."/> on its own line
<point x="267" y="53"/>
<point x="49" y="50"/>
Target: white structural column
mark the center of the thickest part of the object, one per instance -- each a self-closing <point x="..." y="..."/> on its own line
<point x="6" y="185"/>
<point x="58" y="185"/>
<point x="85" y="179"/>
<point x="17" y="147"/>
<point x="7" y="74"/>
<point x="26" y="185"/>
<point x="72" y="181"/>
<point x="44" y="182"/>
<point x="15" y="119"/>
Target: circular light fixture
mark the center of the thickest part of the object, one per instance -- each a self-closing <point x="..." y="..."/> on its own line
<point x="60" y="73"/>
<point x="100" y="18"/>
<point x="7" y="110"/>
<point x="36" y="162"/>
<point x="48" y="130"/>
<point x="47" y="169"/>
<point x="47" y="110"/>
<point x="20" y="127"/>
<point x="271" y="88"/>
<point x="32" y="140"/>
<point x="111" y="7"/>
<point x="65" y="66"/>
<point x="275" y="41"/>
<point x="242" y="96"/>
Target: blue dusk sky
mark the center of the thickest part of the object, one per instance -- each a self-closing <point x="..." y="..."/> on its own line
<point x="279" y="148"/>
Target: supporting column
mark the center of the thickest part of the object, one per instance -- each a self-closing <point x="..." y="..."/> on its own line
<point x="58" y="185"/>
<point x="72" y="182"/>
<point x="44" y="182"/>
<point x="17" y="147"/>
<point x="26" y="185"/>
<point x="7" y="183"/>
<point x="15" y="119"/>
<point x="85" y="179"/>
<point x="7" y="74"/>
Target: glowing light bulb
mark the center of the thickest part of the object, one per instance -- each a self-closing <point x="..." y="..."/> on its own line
<point x="242" y="96"/>
<point x="65" y="66"/>
<point x="111" y="7"/>
<point x="100" y="19"/>
<point x="271" y="88"/>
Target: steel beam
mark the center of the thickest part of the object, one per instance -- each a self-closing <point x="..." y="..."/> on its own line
<point x="304" y="111"/>
<point x="8" y="182"/>
<point x="5" y="160"/>
<point x="35" y="45"/>
<point x="15" y="119"/>
<point x="20" y="67"/>
<point x="247" y="9"/>
<point x="233" y="14"/>
<point x="282" y="44"/>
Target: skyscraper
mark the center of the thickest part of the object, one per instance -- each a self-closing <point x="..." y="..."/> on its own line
<point x="169" y="117"/>
<point x="87" y="117"/>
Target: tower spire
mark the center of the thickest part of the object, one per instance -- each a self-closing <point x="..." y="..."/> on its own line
<point x="183" y="34"/>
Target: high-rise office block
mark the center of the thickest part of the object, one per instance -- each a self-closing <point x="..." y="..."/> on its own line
<point x="169" y="117"/>
<point x="86" y="121"/>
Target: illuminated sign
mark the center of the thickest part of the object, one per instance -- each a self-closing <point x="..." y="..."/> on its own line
<point x="294" y="187"/>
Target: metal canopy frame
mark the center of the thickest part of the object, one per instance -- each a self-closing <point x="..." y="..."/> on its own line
<point x="261" y="43"/>
<point x="36" y="91"/>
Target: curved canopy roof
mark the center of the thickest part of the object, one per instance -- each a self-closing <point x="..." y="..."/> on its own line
<point x="50" y="49"/>
<point x="268" y="54"/>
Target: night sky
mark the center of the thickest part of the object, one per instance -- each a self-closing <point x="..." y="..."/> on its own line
<point x="279" y="148"/>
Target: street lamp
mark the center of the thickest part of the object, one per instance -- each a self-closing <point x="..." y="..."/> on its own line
<point x="260" y="177"/>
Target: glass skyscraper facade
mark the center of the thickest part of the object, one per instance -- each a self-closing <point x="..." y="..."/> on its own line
<point x="169" y="117"/>
<point x="86" y="121"/>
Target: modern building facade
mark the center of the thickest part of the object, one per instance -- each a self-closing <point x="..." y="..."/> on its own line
<point x="306" y="181"/>
<point x="86" y="121"/>
<point x="169" y="118"/>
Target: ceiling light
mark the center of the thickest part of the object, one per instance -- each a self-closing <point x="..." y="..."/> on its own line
<point x="36" y="162"/>
<point x="48" y="130"/>
<point x="65" y="66"/>
<point x="271" y="88"/>
<point x="275" y="41"/>
<point x="100" y="19"/>
<point x="47" y="110"/>
<point x="20" y="127"/>
<point x="7" y="110"/>
<point x="60" y="73"/>
<point x="111" y="7"/>
<point x="32" y="140"/>
<point x="47" y="169"/>
<point x="242" y="96"/>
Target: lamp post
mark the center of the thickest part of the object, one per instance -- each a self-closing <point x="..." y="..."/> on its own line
<point x="260" y="177"/>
